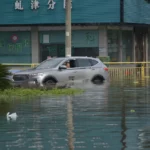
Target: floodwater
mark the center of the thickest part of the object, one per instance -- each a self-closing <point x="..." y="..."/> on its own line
<point x="110" y="116"/>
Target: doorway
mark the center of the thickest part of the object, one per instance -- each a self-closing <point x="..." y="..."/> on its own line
<point x="51" y="50"/>
<point x="140" y="46"/>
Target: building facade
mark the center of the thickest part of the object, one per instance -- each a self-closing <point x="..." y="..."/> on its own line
<point x="32" y="30"/>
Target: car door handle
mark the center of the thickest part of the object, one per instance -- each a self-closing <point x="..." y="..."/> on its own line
<point x="71" y="77"/>
<point x="75" y="72"/>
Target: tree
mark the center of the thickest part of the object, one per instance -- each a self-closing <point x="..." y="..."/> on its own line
<point x="4" y="81"/>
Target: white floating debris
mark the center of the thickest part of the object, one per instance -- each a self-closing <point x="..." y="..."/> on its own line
<point x="12" y="116"/>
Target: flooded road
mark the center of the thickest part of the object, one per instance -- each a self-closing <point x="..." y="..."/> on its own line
<point x="110" y="116"/>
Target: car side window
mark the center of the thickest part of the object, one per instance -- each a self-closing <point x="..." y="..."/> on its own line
<point x="70" y="63"/>
<point x="93" y="62"/>
<point x="83" y="62"/>
<point x="73" y="63"/>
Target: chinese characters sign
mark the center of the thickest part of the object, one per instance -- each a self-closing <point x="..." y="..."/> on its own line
<point x="18" y="5"/>
<point x="51" y="4"/>
<point x="35" y="4"/>
<point x="17" y="47"/>
<point x="15" y="44"/>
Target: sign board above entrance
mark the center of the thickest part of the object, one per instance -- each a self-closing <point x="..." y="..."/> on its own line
<point x="46" y="12"/>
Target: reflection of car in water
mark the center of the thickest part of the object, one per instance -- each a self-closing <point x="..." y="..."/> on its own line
<point x="56" y="70"/>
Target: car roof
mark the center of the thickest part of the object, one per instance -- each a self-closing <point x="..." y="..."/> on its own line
<point x="74" y="57"/>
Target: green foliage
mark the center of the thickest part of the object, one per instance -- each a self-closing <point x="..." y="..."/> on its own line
<point x="4" y="83"/>
<point x="105" y="59"/>
<point x="8" y="95"/>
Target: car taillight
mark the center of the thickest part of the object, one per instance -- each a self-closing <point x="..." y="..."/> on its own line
<point x="106" y="69"/>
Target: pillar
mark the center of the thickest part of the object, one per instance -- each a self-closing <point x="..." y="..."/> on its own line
<point x="35" y="44"/>
<point x="103" y="50"/>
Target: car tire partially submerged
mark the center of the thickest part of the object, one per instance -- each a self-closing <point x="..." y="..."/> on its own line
<point x="50" y="83"/>
<point x="97" y="80"/>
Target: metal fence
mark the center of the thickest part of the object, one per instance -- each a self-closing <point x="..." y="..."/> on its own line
<point x="128" y="70"/>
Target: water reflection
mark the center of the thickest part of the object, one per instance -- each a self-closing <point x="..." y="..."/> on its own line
<point x="70" y="124"/>
<point x="111" y="116"/>
<point x="144" y="138"/>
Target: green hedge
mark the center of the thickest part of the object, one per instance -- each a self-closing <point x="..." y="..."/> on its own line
<point x="4" y="82"/>
<point x="105" y="59"/>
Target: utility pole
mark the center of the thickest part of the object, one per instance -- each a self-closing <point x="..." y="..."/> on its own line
<point x="68" y="46"/>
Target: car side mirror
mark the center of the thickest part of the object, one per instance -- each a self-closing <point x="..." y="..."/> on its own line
<point x="62" y="67"/>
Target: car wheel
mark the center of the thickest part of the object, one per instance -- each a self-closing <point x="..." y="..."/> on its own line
<point x="50" y="83"/>
<point x="98" y="80"/>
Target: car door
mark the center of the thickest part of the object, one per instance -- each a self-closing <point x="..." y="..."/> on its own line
<point x="95" y="67"/>
<point x="68" y="74"/>
<point x="83" y="68"/>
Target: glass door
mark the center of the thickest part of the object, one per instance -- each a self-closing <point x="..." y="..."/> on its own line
<point x="51" y="50"/>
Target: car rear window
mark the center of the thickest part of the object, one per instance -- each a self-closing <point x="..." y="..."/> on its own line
<point x="93" y="62"/>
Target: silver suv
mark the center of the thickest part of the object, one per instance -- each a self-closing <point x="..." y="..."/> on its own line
<point x="63" y="70"/>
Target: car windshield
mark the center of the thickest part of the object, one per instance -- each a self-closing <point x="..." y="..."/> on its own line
<point x="50" y="63"/>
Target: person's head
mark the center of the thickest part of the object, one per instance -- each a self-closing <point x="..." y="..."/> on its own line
<point x="68" y="64"/>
